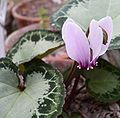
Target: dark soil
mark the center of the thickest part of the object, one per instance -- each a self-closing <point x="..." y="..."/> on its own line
<point x="32" y="8"/>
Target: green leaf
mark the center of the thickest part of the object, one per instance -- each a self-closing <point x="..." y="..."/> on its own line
<point x="83" y="11"/>
<point x="115" y="43"/>
<point x="34" y="43"/>
<point x="103" y="82"/>
<point x="64" y="115"/>
<point x="43" y="96"/>
<point x="75" y="115"/>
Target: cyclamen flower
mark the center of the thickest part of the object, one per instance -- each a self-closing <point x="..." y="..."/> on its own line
<point x="85" y="48"/>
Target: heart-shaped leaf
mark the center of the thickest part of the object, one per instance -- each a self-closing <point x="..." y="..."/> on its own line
<point x="83" y="11"/>
<point x="103" y="82"/>
<point x="42" y="98"/>
<point x="34" y="43"/>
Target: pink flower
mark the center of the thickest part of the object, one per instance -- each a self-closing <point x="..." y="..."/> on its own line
<point x="85" y="48"/>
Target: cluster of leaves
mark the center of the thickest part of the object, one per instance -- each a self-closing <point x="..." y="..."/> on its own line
<point x="29" y="87"/>
<point x="42" y="95"/>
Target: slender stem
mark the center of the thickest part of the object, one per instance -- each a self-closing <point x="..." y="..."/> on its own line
<point x="21" y="84"/>
<point x="71" y="75"/>
<point x="72" y="94"/>
<point x="79" y="90"/>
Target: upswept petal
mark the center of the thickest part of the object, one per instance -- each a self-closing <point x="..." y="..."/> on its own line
<point x="76" y="42"/>
<point x="95" y="38"/>
<point x="107" y="25"/>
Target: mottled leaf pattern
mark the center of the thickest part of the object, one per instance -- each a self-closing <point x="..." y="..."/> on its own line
<point x="34" y="43"/>
<point x="43" y="96"/>
<point x="103" y="82"/>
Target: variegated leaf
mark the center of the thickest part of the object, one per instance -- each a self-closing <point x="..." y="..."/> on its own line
<point x="42" y="98"/>
<point x="103" y="82"/>
<point x="83" y="11"/>
<point x="34" y="43"/>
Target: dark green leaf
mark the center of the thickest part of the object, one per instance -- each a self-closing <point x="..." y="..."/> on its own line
<point x="103" y="82"/>
<point x="43" y="96"/>
<point x="75" y="115"/>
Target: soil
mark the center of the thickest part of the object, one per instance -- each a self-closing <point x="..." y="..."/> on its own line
<point x="32" y="8"/>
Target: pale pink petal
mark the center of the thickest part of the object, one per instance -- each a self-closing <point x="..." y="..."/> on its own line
<point x="95" y="38"/>
<point x="107" y="25"/>
<point x="76" y="43"/>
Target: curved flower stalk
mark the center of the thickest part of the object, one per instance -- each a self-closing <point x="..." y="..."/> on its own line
<point x="85" y="48"/>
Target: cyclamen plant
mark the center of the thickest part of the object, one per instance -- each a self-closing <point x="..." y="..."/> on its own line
<point x="85" y="48"/>
<point x="30" y="88"/>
